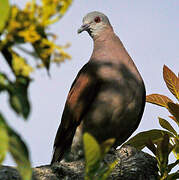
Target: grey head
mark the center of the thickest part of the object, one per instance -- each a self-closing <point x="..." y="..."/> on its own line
<point x="94" y="22"/>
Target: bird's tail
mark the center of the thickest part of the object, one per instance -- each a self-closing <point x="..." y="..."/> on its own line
<point x="62" y="144"/>
<point x="58" y="153"/>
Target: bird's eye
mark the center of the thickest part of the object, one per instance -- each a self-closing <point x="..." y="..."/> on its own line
<point x="97" y="19"/>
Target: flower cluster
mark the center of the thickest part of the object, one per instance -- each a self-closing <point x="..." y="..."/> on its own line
<point x="19" y="27"/>
<point x="29" y="25"/>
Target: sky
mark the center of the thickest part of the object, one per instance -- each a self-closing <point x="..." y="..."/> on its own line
<point x="150" y="32"/>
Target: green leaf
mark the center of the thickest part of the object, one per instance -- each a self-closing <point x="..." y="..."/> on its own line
<point x="18" y="93"/>
<point x="4" y="82"/>
<point x="4" y="139"/>
<point x="162" y="152"/>
<point x="103" y="172"/>
<point x="110" y="169"/>
<point x="92" y="155"/>
<point x="18" y="99"/>
<point x="20" y="155"/>
<point x="4" y="11"/>
<point x="18" y="150"/>
<point x="151" y="146"/>
<point x="166" y="125"/>
<point x="6" y="52"/>
<point x="106" y="145"/>
<point x="141" y="140"/>
<point x="176" y="149"/>
<point x="92" y="149"/>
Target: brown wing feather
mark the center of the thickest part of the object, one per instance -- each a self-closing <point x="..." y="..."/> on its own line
<point x="81" y="94"/>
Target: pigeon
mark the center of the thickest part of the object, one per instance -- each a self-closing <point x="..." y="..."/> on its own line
<point x="107" y="98"/>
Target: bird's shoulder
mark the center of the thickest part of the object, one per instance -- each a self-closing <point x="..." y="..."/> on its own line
<point x="84" y="76"/>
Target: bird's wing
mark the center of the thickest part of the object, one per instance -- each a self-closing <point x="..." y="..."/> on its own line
<point x="81" y="95"/>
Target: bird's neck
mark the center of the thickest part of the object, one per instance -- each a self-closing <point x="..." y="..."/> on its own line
<point x="109" y="48"/>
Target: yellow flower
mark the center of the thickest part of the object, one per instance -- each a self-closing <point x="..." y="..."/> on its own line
<point x="60" y="55"/>
<point x="19" y="65"/>
<point x="53" y="50"/>
<point x="30" y="34"/>
<point x="13" y="23"/>
<point x="14" y="12"/>
<point x="53" y="10"/>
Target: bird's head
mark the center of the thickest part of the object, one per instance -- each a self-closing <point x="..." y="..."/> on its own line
<point x="94" y="23"/>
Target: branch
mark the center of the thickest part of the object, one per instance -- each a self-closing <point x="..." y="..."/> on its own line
<point x="133" y="164"/>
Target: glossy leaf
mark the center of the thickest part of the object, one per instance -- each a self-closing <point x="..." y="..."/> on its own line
<point x="158" y="99"/>
<point x="92" y="154"/>
<point x="172" y="81"/>
<point x="163" y="151"/>
<point x="4" y="11"/>
<point x="150" y="145"/>
<point x="4" y="140"/>
<point x="174" y="110"/>
<point x="166" y="125"/>
<point x="140" y="140"/>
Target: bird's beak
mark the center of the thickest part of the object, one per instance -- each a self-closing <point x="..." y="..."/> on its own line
<point x="84" y="27"/>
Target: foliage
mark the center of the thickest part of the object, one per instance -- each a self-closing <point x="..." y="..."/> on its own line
<point x="94" y="154"/>
<point x="4" y="9"/>
<point x="12" y="142"/>
<point x="19" y="27"/>
<point x="163" y="142"/>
